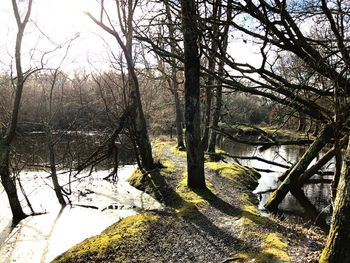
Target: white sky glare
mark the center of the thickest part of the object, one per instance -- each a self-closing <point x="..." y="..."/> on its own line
<point x="53" y="23"/>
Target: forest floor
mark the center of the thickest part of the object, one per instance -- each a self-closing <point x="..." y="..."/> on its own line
<point x="220" y="224"/>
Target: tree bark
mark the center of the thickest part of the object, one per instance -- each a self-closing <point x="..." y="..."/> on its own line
<point x="292" y="178"/>
<point x="337" y="246"/>
<point x="174" y="86"/>
<point x="9" y="184"/>
<point x="194" y="148"/>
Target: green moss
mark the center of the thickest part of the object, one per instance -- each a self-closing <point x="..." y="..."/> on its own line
<point x="275" y="247"/>
<point x="158" y="146"/>
<point x="127" y="231"/>
<point x="149" y="182"/>
<point x="192" y="199"/>
<point x="197" y="197"/>
<point x="230" y="171"/>
<point x="272" y="250"/>
<point x="169" y="166"/>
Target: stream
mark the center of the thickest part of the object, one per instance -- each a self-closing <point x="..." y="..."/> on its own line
<point x="96" y="204"/>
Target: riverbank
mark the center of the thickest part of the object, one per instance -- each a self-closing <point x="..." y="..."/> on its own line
<point x="220" y="224"/>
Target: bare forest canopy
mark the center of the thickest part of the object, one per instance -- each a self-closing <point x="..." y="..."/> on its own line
<point x="179" y="63"/>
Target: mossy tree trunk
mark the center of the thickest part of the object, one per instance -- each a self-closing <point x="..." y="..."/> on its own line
<point x="194" y="147"/>
<point x="292" y="178"/>
<point x="337" y="246"/>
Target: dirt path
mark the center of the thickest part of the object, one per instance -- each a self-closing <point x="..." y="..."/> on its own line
<point x="217" y="225"/>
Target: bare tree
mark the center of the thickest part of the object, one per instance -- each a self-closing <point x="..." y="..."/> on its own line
<point x="126" y="11"/>
<point x="6" y="141"/>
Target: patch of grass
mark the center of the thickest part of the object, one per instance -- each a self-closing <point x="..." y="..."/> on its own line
<point x="127" y="231"/>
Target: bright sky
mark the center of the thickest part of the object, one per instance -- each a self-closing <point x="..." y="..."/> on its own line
<point x="59" y="21"/>
<point x="62" y="20"/>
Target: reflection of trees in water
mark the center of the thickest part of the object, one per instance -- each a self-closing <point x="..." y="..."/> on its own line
<point x="72" y="148"/>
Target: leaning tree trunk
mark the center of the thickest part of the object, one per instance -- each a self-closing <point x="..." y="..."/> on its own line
<point x="292" y="178"/>
<point x="56" y="186"/>
<point x="194" y="148"/>
<point x="337" y="246"/>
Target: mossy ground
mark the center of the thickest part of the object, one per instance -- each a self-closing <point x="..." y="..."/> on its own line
<point x="129" y="230"/>
<point x="210" y="225"/>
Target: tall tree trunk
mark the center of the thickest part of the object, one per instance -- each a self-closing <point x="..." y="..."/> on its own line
<point x="5" y="143"/>
<point x="174" y="86"/>
<point x="50" y="143"/>
<point x="178" y="118"/>
<point x="9" y="184"/>
<point x="142" y="138"/>
<point x="194" y="148"/>
<point x="337" y="246"/>
<point x="208" y="102"/>
<point x="141" y="132"/>
<point x="292" y="178"/>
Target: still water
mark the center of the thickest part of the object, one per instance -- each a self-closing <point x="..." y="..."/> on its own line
<point x="95" y="202"/>
<point x="318" y="194"/>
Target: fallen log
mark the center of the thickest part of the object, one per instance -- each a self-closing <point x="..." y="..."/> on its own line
<point x="292" y="177"/>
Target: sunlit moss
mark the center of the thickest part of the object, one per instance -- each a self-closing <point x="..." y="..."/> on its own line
<point x="273" y="250"/>
<point x="228" y="170"/>
<point x="176" y="151"/>
<point x="158" y="147"/>
<point x="148" y="182"/>
<point x="169" y="166"/>
<point x="197" y="197"/>
<point x="126" y="231"/>
<point x="187" y="210"/>
<point x="273" y="245"/>
<point x="192" y="199"/>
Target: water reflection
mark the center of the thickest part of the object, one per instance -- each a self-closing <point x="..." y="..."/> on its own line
<point x="318" y="194"/>
<point x="41" y="238"/>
